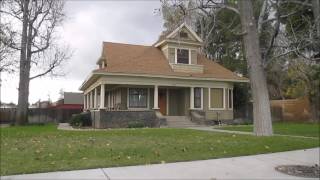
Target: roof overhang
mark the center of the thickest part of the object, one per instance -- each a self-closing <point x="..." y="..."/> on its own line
<point x="95" y="75"/>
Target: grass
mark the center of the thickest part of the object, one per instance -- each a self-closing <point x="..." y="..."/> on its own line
<point x="297" y="129"/>
<point x="34" y="149"/>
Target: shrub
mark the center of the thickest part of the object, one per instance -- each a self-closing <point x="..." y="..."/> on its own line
<point x="136" y="124"/>
<point x="82" y="119"/>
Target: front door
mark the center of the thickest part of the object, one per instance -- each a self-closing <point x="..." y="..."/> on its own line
<point x="163" y="101"/>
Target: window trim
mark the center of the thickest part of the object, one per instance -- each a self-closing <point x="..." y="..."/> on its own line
<point x="201" y="90"/>
<point x="224" y="98"/>
<point x="176" y="56"/>
<point x="230" y="108"/>
<point x="138" y="108"/>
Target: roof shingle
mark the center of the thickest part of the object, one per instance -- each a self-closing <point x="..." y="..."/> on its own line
<point x="139" y="59"/>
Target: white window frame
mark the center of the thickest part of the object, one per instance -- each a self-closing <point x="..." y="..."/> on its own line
<point x="137" y="108"/>
<point x="224" y="98"/>
<point x="231" y="108"/>
<point x="201" y="99"/>
<point x="176" y="56"/>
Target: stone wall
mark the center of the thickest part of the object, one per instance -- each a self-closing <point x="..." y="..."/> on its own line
<point x="122" y="119"/>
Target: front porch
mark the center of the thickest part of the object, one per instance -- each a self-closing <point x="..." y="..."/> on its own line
<point x="123" y="103"/>
<point x="169" y="101"/>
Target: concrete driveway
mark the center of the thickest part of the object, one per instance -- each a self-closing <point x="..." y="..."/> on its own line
<point x="245" y="167"/>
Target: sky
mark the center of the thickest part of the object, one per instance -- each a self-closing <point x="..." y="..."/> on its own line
<point x="87" y="25"/>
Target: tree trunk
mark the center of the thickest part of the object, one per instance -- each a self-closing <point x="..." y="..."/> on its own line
<point x="22" y="110"/>
<point x="316" y="13"/>
<point x="261" y="105"/>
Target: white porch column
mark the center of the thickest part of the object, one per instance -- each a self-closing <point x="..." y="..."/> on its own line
<point x="88" y="101"/>
<point x="84" y="102"/>
<point x="191" y="97"/>
<point x="102" y="93"/>
<point x="155" y="97"/>
<point x="91" y="100"/>
<point x="95" y="98"/>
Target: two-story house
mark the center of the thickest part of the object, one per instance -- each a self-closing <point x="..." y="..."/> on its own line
<point x="170" y="79"/>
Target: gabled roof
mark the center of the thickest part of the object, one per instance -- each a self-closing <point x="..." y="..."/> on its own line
<point x="149" y="60"/>
<point x="170" y="34"/>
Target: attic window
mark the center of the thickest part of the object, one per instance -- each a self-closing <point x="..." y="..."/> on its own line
<point x="183" y="34"/>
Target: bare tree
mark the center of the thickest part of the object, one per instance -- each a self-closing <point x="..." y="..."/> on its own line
<point x="6" y="53"/>
<point x="38" y="20"/>
<point x="261" y="104"/>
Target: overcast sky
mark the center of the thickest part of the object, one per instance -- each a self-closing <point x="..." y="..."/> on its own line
<point x="87" y="25"/>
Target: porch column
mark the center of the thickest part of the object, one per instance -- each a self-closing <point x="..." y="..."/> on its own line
<point x="155" y="97"/>
<point x="191" y="97"/>
<point x="91" y="99"/>
<point x="95" y="98"/>
<point x="84" y="102"/>
<point x="87" y="101"/>
<point x="102" y="93"/>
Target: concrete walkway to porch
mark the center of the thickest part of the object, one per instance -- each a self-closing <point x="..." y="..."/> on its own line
<point x="260" y="166"/>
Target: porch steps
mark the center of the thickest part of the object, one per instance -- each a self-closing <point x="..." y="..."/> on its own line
<point x="180" y="122"/>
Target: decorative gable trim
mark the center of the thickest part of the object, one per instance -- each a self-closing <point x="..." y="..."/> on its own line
<point x="177" y="30"/>
<point x="188" y="28"/>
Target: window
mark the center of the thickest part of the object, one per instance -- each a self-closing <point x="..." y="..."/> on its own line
<point x="138" y="98"/>
<point x="183" y="56"/>
<point x="216" y="98"/>
<point x="197" y="97"/>
<point x="183" y="34"/>
<point x="230" y="98"/>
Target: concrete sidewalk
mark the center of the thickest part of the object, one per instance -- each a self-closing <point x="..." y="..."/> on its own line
<point x="245" y="167"/>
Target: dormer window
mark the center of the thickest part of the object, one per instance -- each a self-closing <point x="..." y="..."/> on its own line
<point x="183" y="34"/>
<point x="182" y="56"/>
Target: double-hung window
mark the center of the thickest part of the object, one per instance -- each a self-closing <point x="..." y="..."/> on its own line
<point x="198" y="97"/>
<point x="230" y="99"/>
<point x="182" y="56"/>
<point x="138" y="97"/>
<point x="216" y="98"/>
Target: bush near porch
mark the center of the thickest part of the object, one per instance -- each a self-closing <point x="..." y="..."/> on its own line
<point x="34" y="149"/>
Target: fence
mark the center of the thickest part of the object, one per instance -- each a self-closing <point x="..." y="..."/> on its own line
<point x="291" y="110"/>
<point x="39" y="115"/>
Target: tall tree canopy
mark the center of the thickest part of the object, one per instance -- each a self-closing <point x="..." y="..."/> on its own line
<point x="287" y="31"/>
<point x="31" y="26"/>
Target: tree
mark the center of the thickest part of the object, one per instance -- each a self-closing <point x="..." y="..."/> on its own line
<point x="36" y="41"/>
<point x="6" y="53"/>
<point x="211" y="9"/>
<point x="260" y="96"/>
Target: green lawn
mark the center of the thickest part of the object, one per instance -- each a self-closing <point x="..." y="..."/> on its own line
<point x="297" y="129"/>
<point x="33" y="149"/>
